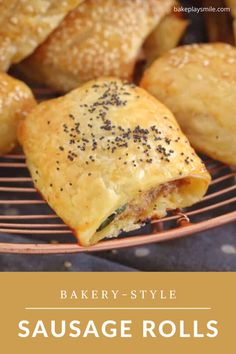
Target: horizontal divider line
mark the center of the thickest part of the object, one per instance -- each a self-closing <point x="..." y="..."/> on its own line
<point x="118" y="308"/>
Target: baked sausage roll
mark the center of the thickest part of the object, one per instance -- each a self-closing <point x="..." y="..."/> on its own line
<point x="197" y="82"/>
<point x="16" y="101"/>
<point x="24" y="24"/>
<point x="165" y="36"/>
<point x="99" y="38"/>
<point x="111" y="157"/>
<point x="232" y="5"/>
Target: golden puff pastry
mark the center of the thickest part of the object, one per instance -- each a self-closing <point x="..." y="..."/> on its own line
<point x="197" y="82"/>
<point x="232" y="5"/>
<point x="111" y="157"/>
<point x="16" y="101"/>
<point x="99" y="38"/>
<point x="24" y="24"/>
<point x="165" y="36"/>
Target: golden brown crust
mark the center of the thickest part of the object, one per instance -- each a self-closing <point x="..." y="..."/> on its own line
<point x="16" y="101"/>
<point x="232" y="5"/>
<point x="165" y="36"/>
<point x="99" y="38"/>
<point x="104" y="144"/>
<point x="197" y="82"/>
<point x="25" y="24"/>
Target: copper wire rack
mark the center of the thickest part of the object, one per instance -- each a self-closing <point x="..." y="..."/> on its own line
<point x="24" y="213"/>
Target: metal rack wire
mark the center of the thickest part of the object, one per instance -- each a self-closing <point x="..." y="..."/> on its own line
<point x="24" y="213"/>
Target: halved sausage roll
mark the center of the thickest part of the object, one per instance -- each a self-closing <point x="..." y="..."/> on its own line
<point x="110" y="157"/>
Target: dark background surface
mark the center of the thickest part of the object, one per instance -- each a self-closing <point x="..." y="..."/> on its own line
<point x="213" y="250"/>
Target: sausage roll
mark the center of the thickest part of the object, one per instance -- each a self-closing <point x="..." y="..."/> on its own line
<point x="99" y="38"/>
<point x="197" y="82"/>
<point x="16" y="101"/>
<point x="111" y="157"/>
<point x="24" y="24"/>
<point x="232" y="5"/>
<point x="165" y="36"/>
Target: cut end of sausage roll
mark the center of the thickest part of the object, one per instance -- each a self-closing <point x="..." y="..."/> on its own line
<point x="151" y="204"/>
<point x="111" y="157"/>
<point x="166" y="35"/>
<point x="197" y="83"/>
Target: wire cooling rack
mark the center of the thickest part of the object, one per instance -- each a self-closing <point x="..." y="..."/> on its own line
<point x="24" y="213"/>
